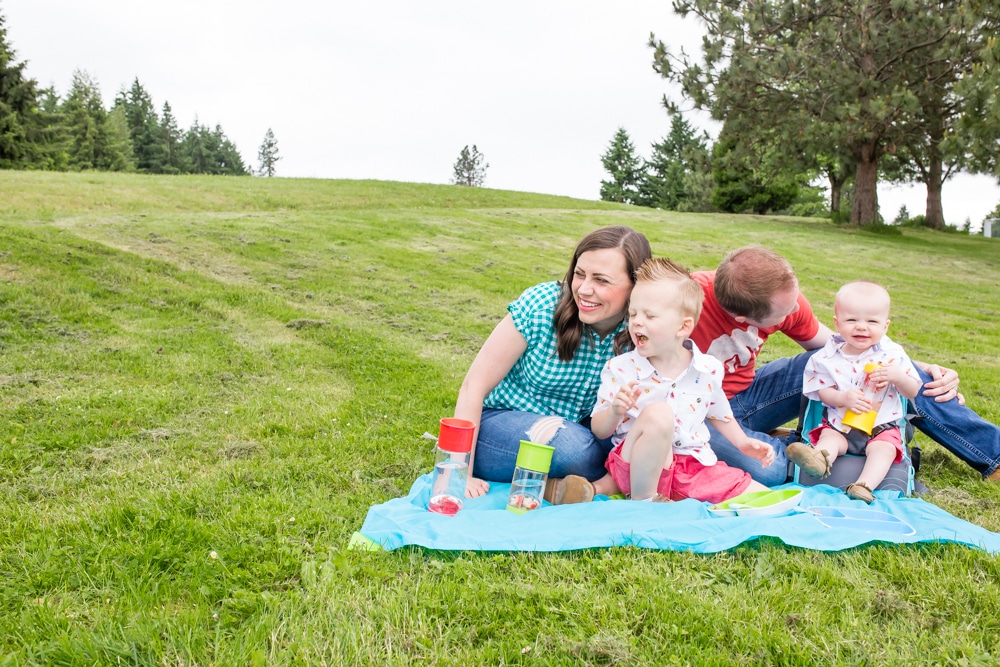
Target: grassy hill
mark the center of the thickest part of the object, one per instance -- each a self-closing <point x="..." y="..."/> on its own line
<point x="205" y="383"/>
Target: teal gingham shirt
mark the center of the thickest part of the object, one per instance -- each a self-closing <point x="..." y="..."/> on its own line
<point x="540" y="382"/>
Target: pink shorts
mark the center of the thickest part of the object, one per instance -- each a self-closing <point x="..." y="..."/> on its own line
<point x="687" y="477"/>
<point x="857" y="441"/>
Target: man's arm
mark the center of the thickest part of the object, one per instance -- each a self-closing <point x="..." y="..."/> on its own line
<point x="819" y="340"/>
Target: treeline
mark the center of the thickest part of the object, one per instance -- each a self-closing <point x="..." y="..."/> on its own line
<point x="685" y="172"/>
<point x="41" y="130"/>
<point x="856" y="91"/>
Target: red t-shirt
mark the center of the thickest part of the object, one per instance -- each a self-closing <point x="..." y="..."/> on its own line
<point x="737" y="344"/>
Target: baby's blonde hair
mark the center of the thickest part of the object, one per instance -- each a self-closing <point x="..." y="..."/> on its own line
<point x="863" y="289"/>
<point x="690" y="294"/>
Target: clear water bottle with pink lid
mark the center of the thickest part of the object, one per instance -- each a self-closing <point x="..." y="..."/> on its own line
<point x="451" y="465"/>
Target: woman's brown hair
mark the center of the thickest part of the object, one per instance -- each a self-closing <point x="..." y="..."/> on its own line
<point x="569" y="329"/>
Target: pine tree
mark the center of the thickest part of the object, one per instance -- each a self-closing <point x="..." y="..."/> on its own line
<point x="97" y="140"/>
<point x="665" y="182"/>
<point x="148" y="147"/>
<point x="54" y="139"/>
<point x="740" y="188"/>
<point x="470" y="168"/>
<point x="625" y="167"/>
<point x="211" y="152"/>
<point x="228" y="160"/>
<point x="267" y="155"/>
<point x="197" y="154"/>
<point x="174" y="161"/>
<point x="18" y="103"/>
<point x="902" y="216"/>
<point x="116" y="143"/>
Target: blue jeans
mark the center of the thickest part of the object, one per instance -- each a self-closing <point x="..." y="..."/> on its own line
<point x="577" y="452"/>
<point x="774" y="398"/>
<point x="958" y="429"/>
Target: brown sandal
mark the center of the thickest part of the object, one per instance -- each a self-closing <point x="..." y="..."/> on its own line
<point x="860" y="491"/>
<point x="568" y="490"/>
<point x="815" y="462"/>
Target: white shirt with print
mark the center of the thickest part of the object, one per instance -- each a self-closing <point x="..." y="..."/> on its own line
<point x="694" y="396"/>
<point x="831" y="367"/>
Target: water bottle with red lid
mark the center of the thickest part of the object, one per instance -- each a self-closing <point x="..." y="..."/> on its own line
<point x="451" y="465"/>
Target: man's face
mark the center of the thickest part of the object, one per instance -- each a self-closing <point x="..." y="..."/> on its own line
<point x="783" y="304"/>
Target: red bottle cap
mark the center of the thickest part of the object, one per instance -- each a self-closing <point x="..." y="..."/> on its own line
<point x="456" y="435"/>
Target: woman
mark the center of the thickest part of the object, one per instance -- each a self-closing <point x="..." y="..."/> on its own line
<point x="536" y="376"/>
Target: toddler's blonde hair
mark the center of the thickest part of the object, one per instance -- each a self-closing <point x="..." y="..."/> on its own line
<point x="689" y="292"/>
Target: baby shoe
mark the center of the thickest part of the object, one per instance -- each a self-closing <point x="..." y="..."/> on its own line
<point x="814" y="461"/>
<point x="568" y="490"/>
<point x="860" y="491"/>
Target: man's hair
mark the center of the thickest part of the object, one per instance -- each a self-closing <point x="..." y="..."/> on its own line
<point x="689" y="291"/>
<point x="748" y="278"/>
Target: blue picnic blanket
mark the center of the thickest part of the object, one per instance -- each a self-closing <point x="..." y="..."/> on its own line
<point x="825" y="519"/>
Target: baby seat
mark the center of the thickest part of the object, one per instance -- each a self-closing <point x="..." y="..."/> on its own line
<point x="847" y="468"/>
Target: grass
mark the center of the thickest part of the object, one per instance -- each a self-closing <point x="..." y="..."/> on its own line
<point x="206" y="382"/>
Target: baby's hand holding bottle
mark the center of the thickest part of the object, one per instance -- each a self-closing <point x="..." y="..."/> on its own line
<point x="855" y="401"/>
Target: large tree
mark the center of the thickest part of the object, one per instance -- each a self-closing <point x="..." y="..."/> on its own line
<point x="980" y="94"/>
<point x="946" y="128"/>
<point x="625" y="167"/>
<point x="18" y="102"/>
<point x="819" y="77"/>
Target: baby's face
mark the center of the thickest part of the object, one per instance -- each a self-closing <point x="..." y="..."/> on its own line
<point x="654" y="317"/>
<point x="861" y="322"/>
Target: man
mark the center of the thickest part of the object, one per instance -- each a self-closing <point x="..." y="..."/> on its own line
<point x="753" y="294"/>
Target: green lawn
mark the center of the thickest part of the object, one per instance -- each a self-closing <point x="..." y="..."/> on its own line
<point x="206" y="382"/>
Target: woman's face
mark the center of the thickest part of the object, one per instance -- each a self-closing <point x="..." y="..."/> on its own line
<point x="601" y="287"/>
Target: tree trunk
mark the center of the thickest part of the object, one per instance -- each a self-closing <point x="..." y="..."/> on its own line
<point x="935" y="178"/>
<point x="835" y="188"/>
<point x="864" y="210"/>
<point x="837" y="178"/>
<point x="935" y="211"/>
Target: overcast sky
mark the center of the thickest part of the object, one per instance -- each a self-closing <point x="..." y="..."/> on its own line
<point x="393" y="89"/>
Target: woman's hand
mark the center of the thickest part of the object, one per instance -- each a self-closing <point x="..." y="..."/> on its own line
<point x="476" y="487"/>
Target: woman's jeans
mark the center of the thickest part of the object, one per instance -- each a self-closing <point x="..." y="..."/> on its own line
<point x="577" y="451"/>
<point x="774" y="398"/>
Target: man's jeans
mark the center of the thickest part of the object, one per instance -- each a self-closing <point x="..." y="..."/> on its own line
<point x="773" y="399"/>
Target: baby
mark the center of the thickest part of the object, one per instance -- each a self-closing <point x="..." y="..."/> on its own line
<point x="653" y="401"/>
<point x="835" y="376"/>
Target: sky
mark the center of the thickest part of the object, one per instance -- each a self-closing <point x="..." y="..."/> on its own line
<point x="394" y="89"/>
